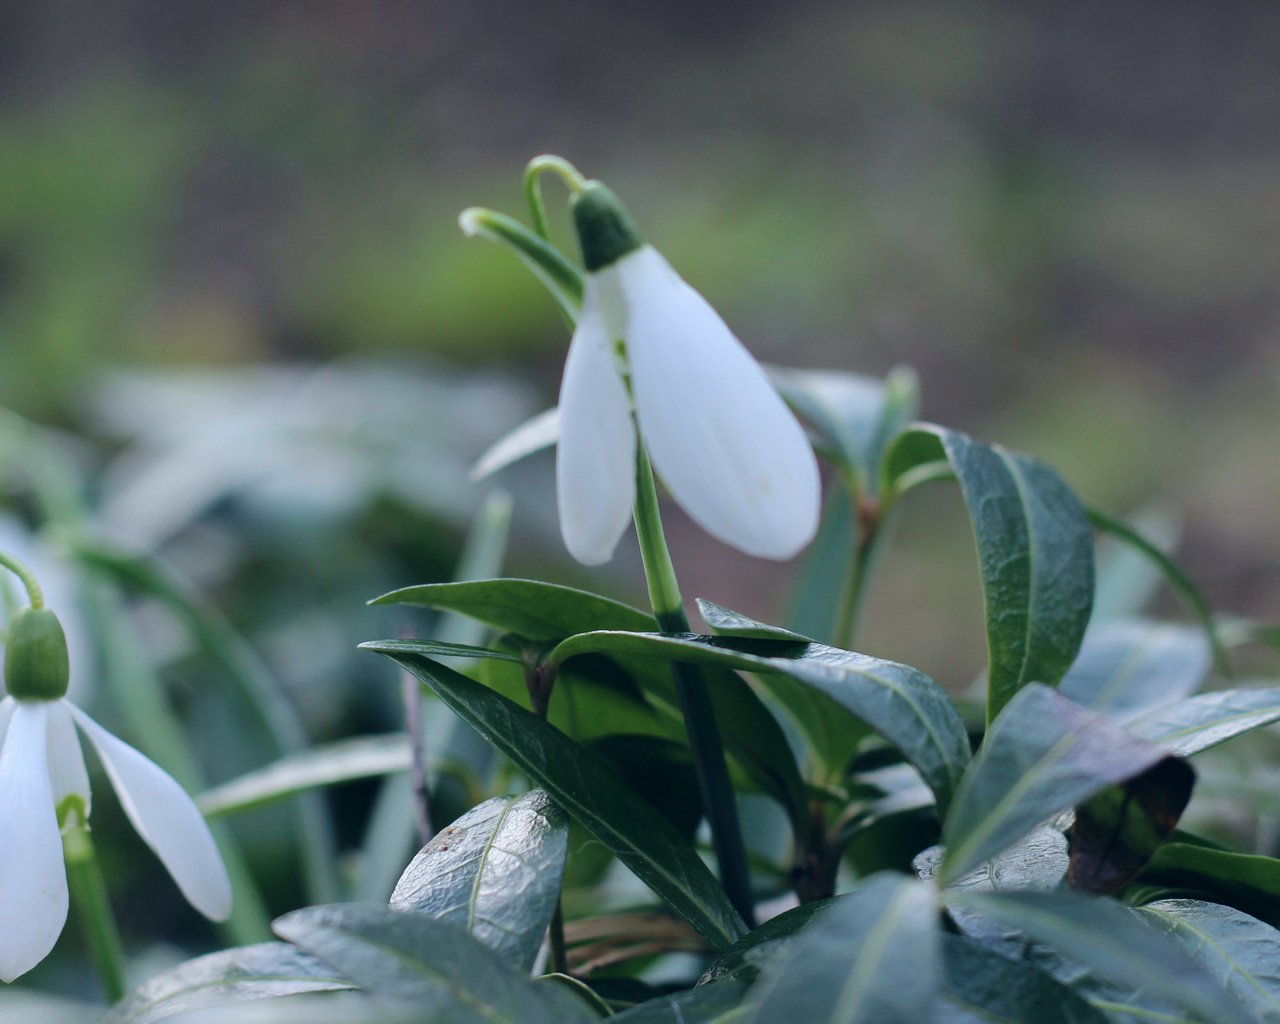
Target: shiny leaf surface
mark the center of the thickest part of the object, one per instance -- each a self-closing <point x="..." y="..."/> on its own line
<point x="495" y="872"/>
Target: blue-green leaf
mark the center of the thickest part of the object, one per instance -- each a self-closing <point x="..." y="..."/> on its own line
<point x="1043" y="755"/>
<point x="590" y="790"/>
<point x="495" y="872"/>
<point x="1035" y="552"/>
<point x="872" y="957"/>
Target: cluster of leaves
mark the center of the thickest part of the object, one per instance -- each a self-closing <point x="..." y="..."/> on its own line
<point x="947" y="861"/>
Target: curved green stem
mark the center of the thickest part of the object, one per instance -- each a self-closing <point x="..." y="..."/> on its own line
<point x="533" y="173"/>
<point x="89" y="895"/>
<point x="29" y="581"/>
<point x="695" y="699"/>
<point x="1178" y="579"/>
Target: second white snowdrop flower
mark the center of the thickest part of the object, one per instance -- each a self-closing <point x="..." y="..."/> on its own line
<point x="730" y="451"/>
<point x="44" y="788"/>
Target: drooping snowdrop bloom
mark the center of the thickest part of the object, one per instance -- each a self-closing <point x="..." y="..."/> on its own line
<point x="44" y="789"/>
<point x="727" y="446"/>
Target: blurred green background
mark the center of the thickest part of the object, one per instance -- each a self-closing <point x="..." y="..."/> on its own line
<point x="1066" y="219"/>
<point x="231" y="280"/>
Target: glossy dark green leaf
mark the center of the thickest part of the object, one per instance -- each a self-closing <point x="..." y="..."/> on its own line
<point x="1113" y="941"/>
<point x="590" y="790"/>
<point x="1246" y="881"/>
<point x="1241" y="952"/>
<point x="872" y="957"/>
<point x="1035" y="553"/>
<point x="266" y="970"/>
<point x="433" y="963"/>
<point x="1119" y="828"/>
<point x="983" y="987"/>
<point x="534" y="610"/>
<point x="901" y="703"/>
<point x="1208" y="719"/>
<point x="1043" y="755"/>
<point x="495" y="872"/>
<point x="1131" y="667"/>
<point x="832" y="733"/>
<point x="742" y="960"/>
<point x="704" y="1005"/>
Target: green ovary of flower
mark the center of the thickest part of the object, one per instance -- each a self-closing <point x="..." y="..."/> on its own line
<point x="35" y="658"/>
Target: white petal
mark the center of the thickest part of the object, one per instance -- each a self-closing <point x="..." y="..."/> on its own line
<point x="67" y="773"/>
<point x="596" y="457"/>
<point x="166" y="818"/>
<point x="6" y="715"/>
<point x="33" y="880"/>
<point x="730" y="450"/>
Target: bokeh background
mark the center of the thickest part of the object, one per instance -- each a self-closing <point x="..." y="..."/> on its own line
<point x="231" y="278"/>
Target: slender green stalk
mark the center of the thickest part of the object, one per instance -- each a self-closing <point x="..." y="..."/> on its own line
<point x="695" y="699"/>
<point x="89" y="896"/>
<point x="540" y="686"/>
<point x="34" y="594"/>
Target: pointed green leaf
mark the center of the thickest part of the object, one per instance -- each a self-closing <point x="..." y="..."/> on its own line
<point x="1208" y="719"/>
<point x="1113" y="941"/>
<point x="495" y="872"/>
<point x="534" y="610"/>
<point x="560" y="277"/>
<point x="901" y="703"/>
<point x="742" y="960"/>
<point x="1035" y="553"/>
<point x="704" y="1005"/>
<point x="590" y="790"/>
<point x="1241" y="952"/>
<point x="531" y="436"/>
<point x="1043" y="755"/>
<point x="266" y="970"/>
<point x="1132" y="667"/>
<point x="436" y="965"/>
<point x="983" y="987"/>
<point x="360" y="757"/>
<point x="851" y="964"/>
<point x="544" y="611"/>
<point x="1243" y="880"/>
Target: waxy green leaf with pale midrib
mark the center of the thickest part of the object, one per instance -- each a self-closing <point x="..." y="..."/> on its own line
<point x="851" y="965"/>
<point x="263" y="971"/>
<point x="1035" y="553"/>
<point x="1240" y="951"/>
<point x="590" y="790"/>
<point x="544" y="612"/>
<point x="1114" y="941"/>
<point x="435" y="965"/>
<point x="901" y="703"/>
<point x="983" y="987"/>
<point x="1208" y="719"/>
<point x="531" y="608"/>
<point x="1043" y="755"/>
<point x="496" y="872"/>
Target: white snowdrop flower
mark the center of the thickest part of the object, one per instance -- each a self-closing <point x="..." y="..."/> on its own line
<point x="730" y="451"/>
<point x="44" y="788"/>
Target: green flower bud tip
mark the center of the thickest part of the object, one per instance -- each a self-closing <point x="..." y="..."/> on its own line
<point x="606" y="231"/>
<point x="36" y="666"/>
